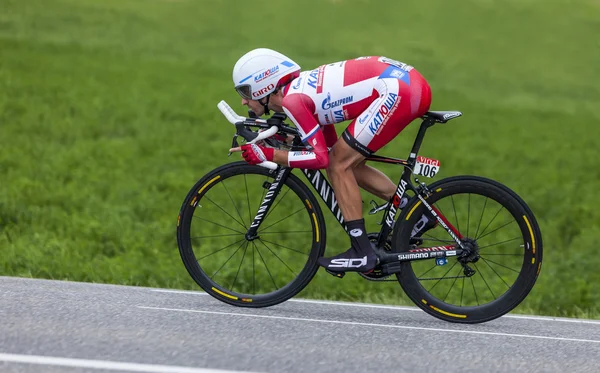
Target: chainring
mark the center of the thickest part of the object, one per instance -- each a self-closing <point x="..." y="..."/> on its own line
<point x="377" y="274"/>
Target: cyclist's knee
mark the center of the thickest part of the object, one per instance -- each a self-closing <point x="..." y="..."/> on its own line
<point x="340" y="165"/>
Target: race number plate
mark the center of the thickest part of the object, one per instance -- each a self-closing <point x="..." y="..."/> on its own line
<point x="426" y="166"/>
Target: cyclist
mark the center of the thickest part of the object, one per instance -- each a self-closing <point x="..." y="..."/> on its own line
<point x="379" y="95"/>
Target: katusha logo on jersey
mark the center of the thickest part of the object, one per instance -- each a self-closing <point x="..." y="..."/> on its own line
<point x="385" y="110"/>
<point x="328" y="104"/>
<point x="315" y="79"/>
<point x="265" y="74"/>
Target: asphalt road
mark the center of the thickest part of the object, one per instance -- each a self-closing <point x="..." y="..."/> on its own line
<point x="57" y="326"/>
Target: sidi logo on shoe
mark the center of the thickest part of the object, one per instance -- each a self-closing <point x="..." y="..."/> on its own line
<point x="419" y="226"/>
<point x="348" y="263"/>
<point x="356" y="232"/>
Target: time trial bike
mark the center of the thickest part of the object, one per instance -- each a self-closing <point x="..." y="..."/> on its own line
<point x="464" y="249"/>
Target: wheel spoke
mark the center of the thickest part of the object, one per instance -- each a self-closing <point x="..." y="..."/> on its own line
<point x="486" y="283"/>
<point x="497" y="274"/>
<point x="498" y="264"/>
<point x="285" y="247"/>
<point x="218" y="235"/>
<point x="426" y="272"/>
<point x="261" y="232"/>
<point x="488" y="254"/>
<point x="451" y="286"/>
<point x="280" y="220"/>
<point x="455" y="216"/>
<point x="497" y="229"/>
<point x="240" y="266"/>
<point x="265" y="264"/>
<point x="220" y="225"/>
<point x="469" y="214"/>
<point x="462" y="291"/>
<point x="481" y="217"/>
<point x="277" y="256"/>
<point x="233" y="203"/>
<point x="214" y="252"/>
<point x="223" y="265"/>
<point x="279" y="201"/>
<point x="228" y="214"/>
<point x="474" y="291"/>
<point x="486" y="227"/>
<point x="438" y="281"/>
<point x="500" y="243"/>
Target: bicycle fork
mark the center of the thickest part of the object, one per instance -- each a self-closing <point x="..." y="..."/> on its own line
<point x="273" y="191"/>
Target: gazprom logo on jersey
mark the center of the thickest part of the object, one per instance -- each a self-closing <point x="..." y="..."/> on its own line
<point x="328" y="104"/>
<point x="383" y="112"/>
<point x="265" y="74"/>
<point x="297" y="84"/>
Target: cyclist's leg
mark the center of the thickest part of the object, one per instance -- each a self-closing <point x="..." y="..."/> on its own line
<point x="360" y="257"/>
<point x="374" y="181"/>
<point x="400" y="101"/>
<point x="404" y="95"/>
<point x="412" y="89"/>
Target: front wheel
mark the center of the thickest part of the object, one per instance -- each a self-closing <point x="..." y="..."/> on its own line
<point x="505" y="246"/>
<point x="260" y="271"/>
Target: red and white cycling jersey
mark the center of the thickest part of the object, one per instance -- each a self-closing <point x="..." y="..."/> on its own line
<point x="381" y="96"/>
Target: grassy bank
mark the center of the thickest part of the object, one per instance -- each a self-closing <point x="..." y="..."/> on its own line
<point x="108" y="116"/>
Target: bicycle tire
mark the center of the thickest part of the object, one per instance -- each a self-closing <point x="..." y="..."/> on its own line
<point x="222" y="181"/>
<point x="528" y="269"/>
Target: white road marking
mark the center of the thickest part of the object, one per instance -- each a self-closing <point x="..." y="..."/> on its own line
<point x="399" y="308"/>
<point x="107" y="365"/>
<point x="373" y="325"/>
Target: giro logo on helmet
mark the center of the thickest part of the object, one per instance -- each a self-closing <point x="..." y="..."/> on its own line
<point x="261" y="92"/>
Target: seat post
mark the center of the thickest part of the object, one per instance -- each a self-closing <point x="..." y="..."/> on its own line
<point x="427" y="122"/>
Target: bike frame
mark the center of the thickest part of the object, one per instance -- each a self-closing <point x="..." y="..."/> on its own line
<point x="324" y="189"/>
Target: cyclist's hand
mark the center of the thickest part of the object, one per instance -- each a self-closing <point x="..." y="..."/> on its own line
<point x="255" y="154"/>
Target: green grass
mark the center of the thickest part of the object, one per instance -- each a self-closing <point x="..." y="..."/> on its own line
<point x="108" y="117"/>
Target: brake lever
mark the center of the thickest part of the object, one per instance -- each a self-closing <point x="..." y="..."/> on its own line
<point x="234" y="143"/>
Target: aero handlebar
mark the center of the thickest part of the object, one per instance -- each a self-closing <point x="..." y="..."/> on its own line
<point x="236" y="119"/>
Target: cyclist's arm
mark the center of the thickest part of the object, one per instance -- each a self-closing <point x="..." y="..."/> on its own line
<point x="330" y="135"/>
<point x="300" y="109"/>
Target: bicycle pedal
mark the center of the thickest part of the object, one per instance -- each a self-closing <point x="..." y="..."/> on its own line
<point x="336" y="274"/>
<point x="391" y="268"/>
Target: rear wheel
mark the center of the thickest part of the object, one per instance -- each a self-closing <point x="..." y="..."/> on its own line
<point x="267" y="269"/>
<point x="505" y="243"/>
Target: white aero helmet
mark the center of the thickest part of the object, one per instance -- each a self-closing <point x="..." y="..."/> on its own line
<point x="261" y="71"/>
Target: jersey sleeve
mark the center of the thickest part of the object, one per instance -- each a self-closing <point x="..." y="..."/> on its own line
<point x="300" y="108"/>
<point x="331" y="136"/>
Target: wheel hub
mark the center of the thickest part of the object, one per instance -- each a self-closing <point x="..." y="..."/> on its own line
<point x="471" y="251"/>
<point x="469" y="255"/>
